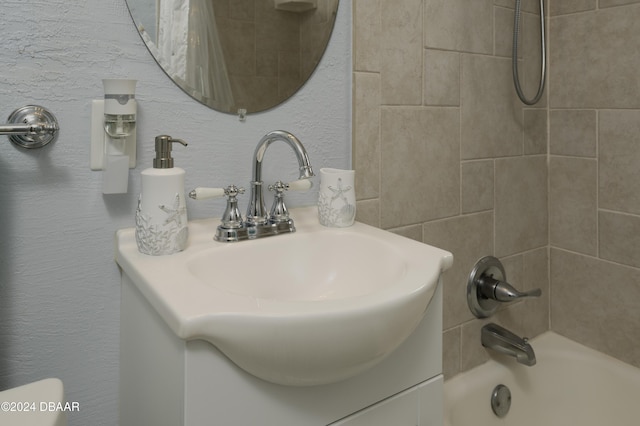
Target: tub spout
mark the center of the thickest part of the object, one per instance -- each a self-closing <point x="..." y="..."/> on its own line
<point x="502" y="340"/>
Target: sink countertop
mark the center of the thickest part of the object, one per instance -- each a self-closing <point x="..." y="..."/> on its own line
<point x="167" y="287"/>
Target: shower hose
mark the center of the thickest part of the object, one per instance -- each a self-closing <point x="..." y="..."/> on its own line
<point x="514" y="55"/>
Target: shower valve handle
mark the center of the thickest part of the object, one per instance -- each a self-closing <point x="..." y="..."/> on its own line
<point x="487" y="288"/>
<point x="503" y="291"/>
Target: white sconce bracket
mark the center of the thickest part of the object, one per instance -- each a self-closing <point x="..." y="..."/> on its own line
<point x="98" y="139"/>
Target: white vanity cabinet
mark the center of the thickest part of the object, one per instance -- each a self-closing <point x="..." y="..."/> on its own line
<point x="166" y="381"/>
<point x="419" y="405"/>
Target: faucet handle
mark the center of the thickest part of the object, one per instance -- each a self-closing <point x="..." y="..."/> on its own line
<point x="233" y="191"/>
<point x="206" y="193"/>
<point x="279" y="212"/>
<point x="300" y="185"/>
<point x="296" y="185"/>
<point x="279" y="187"/>
<point x="232" y="218"/>
<point x="504" y="292"/>
<point x="201" y="193"/>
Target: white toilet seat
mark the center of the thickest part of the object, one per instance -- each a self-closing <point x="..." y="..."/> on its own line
<point x="35" y="404"/>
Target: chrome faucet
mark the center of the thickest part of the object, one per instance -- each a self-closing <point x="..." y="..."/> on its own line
<point x="258" y="223"/>
<point x="257" y="213"/>
<point x="502" y="340"/>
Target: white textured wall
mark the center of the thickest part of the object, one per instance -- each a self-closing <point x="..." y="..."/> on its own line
<point x="59" y="285"/>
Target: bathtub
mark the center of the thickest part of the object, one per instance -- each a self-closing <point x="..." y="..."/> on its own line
<point x="570" y="385"/>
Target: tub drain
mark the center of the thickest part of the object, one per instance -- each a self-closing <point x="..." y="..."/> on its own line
<point x="501" y="400"/>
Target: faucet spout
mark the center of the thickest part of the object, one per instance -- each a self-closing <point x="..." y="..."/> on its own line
<point x="502" y="340"/>
<point x="256" y="212"/>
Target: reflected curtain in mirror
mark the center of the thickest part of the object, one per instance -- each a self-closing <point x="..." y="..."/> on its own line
<point x="188" y="46"/>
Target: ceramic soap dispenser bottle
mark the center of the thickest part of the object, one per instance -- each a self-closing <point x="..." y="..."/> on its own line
<point x="161" y="216"/>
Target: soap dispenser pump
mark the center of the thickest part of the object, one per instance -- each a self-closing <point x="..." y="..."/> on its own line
<point x="161" y="216"/>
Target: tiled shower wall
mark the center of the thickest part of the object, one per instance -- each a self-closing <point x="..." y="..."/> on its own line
<point x="445" y="153"/>
<point x="594" y="171"/>
<point x="264" y="64"/>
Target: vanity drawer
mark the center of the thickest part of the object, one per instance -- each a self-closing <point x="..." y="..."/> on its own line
<point x="420" y="405"/>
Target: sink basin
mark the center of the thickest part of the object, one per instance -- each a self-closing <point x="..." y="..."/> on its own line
<point x="307" y="267"/>
<point x="313" y="307"/>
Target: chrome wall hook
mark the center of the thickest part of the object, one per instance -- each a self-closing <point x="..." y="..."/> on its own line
<point x="31" y="126"/>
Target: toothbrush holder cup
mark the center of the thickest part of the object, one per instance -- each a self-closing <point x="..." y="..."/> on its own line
<point x="337" y="198"/>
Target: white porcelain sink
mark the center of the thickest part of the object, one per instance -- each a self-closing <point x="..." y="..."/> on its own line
<point x="310" y="266"/>
<point x="313" y="307"/>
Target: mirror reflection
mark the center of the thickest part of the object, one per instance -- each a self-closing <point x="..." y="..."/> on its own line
<point x="236" y="54"/>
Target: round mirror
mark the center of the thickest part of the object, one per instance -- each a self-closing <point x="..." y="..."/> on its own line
<point x="235" y="55"/>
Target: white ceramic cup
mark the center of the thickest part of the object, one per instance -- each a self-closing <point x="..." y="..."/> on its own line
<point x="337" y="198"/>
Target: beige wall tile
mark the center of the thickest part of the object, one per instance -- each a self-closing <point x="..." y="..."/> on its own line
<point x="401" y="47"/>
<point x="573" y="204"/>
<point x="503" y="19"/>
<point x="596" y="303"/>
<point x="573" y="132"/>
<point x="366" y="134"/>
<point x="425" y="191"/>
<point x="491" y="116"/>
<point x="420" y="165"/>
<point x="513" y="271"/>
<point x="472" y="353"/>
<point x="535" y="312"/>
<point x="594" y="300"/>
<point x="459" y="25"/>
<point x="610" y="3"/>
<point x="366" y="35"/>
<point x="441" y="78"/>
<point x="619" y="155"/>
<point x="535" y="131"/>
<point x="527" y="271"/>
<point x="469" y="238"/>
<point x="521" y="204"/>
<point x="412" y="231"/>
<point x="505" y="3"/>
<point x="562" y="7"/>
<point x="619" y="236"/>
<point x="571" y="34"/>
<point x="591" y="70"/>
<point x="368" y="211"/>
<point x="451" y="352"/>
<point x="477" y="186"/>
<point x="527" y="5"/>
<point x="585" y="48"/>
<point x="242" y="9"/>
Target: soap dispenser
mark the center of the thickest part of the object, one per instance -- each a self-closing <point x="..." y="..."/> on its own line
<point x="161" y="216"/>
